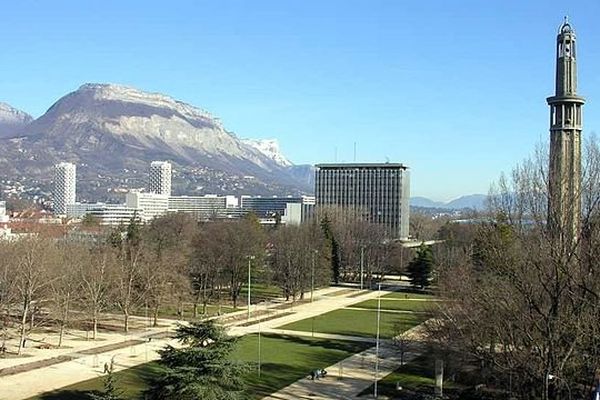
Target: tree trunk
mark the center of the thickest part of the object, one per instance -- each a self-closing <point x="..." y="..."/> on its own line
<point x="63" y="322"/>
<point x="23" y="323"/>
<point x="155" y="316"/>
<point x="126" y="321"/>
<point x="95" y="324"/>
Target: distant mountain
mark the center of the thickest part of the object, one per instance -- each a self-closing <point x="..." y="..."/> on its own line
<point x="474" y="201"/>
<point x="304" y="173"/>
<point x="425" y="202"/>
<point x="12" y="121"/>
<point x="270" y="148"/>
<point x="112" y="132"/>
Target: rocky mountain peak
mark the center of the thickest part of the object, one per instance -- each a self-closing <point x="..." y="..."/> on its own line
<point x="270" y="148"/>
<point x="113" y="130"/>
<point x="128" y="94"/>
<point x="12" y="120"/>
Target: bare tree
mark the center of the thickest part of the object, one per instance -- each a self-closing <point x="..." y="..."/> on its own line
<point x="127" y="290"/>
<point x="207" y="263"/>
<point x="243" y="239"/>
<point x="8" y="292"/>
<point x="298" y="259"/>
<point x="527" y="302"/>
<point x="167" y="242"/>
<point x="95" y="281"/>
<point x="33" y="259"/>
<point x="64" y="288"/>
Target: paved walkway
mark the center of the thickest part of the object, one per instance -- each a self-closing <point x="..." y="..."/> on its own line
<point x="349" y="377"/>
<point x="27" y="384"/>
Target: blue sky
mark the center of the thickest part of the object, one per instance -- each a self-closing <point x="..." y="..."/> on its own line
<point x="454" y="89"/>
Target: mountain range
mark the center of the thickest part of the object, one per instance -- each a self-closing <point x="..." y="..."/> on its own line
<point x="473" y="201"/>
<point x="113" y="132"/>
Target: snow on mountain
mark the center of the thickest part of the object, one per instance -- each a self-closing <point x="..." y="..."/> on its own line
<point x="12" y="120"/>
<point x="270" y="148"/>
<point x="115" y="131"/>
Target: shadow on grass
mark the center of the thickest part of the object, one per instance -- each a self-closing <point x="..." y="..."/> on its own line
<point x="331" y="344"/>
<point x="67" y="395"/>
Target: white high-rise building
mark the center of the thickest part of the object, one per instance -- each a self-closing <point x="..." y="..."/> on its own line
<point x="160" y="177"/>
<point x="64" y="187"/>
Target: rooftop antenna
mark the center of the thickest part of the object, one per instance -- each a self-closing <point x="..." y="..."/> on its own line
<point x="354" y="151"/>
<point x="387" y="160"/>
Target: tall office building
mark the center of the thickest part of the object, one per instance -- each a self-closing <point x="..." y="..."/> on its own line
<point x="64" y="187"/>
<point x="381" y="192"/>
<point x="564" y="204"/>
<point x="160" y="177"/>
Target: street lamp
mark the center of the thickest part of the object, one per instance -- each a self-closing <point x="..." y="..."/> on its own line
<point x="250" y="258"/>
<point x="259" y="355"/>
<point x="362" y="265"/>
<point x="377" y="341"/>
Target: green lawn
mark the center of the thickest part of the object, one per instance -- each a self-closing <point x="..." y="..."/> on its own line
<point x="284" y="360"/>
<point x="357" y="323"/>
<point x="407" y="295"/>
<point x="415" y="376"/>
<point x="259" y="292"/>
<point x="399" y="305"/>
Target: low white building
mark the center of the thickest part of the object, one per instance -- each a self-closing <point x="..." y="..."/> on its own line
<point x="204" y="207"/>
<point x="112" y="214"/>
<point x="152" y="205"/>
<point x="297" y="213"/>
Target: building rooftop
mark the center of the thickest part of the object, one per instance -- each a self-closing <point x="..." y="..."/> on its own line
<point x="361" y="165"/>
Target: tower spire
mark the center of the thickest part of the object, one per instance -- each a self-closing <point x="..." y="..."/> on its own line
<point x="564" y="204"/>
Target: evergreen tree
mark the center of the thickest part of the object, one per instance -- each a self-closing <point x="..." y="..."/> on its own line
<point x="110" y="390"/>
<point x="419" y="269"/>
<point x="334" y="247"/>
<point x="201" y="369"/>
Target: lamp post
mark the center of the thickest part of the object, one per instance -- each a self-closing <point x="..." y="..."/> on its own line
<point x="312" y="274"/>
<point x="250" y="258"/>
<point x="377" y="341"/>
<point x="362" y="265"/>
<point x="259" y="355"/>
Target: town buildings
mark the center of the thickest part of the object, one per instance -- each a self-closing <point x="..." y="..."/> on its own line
<point x="269" y="207"/>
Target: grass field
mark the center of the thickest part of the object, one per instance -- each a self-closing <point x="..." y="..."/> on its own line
<point x="398" y="305"/>
<point x="357" y="323"/>
<point x="415" y="376"/>
<point x="259" y="292"/>
<point x="284" y="360"/>
<point x="407" y="295"/>
<point x="289" y="358"/>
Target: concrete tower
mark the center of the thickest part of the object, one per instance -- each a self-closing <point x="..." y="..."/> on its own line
<point x="564" y="205"/>
<point x="64" y="187"/>
<point x="160" y="177"/>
